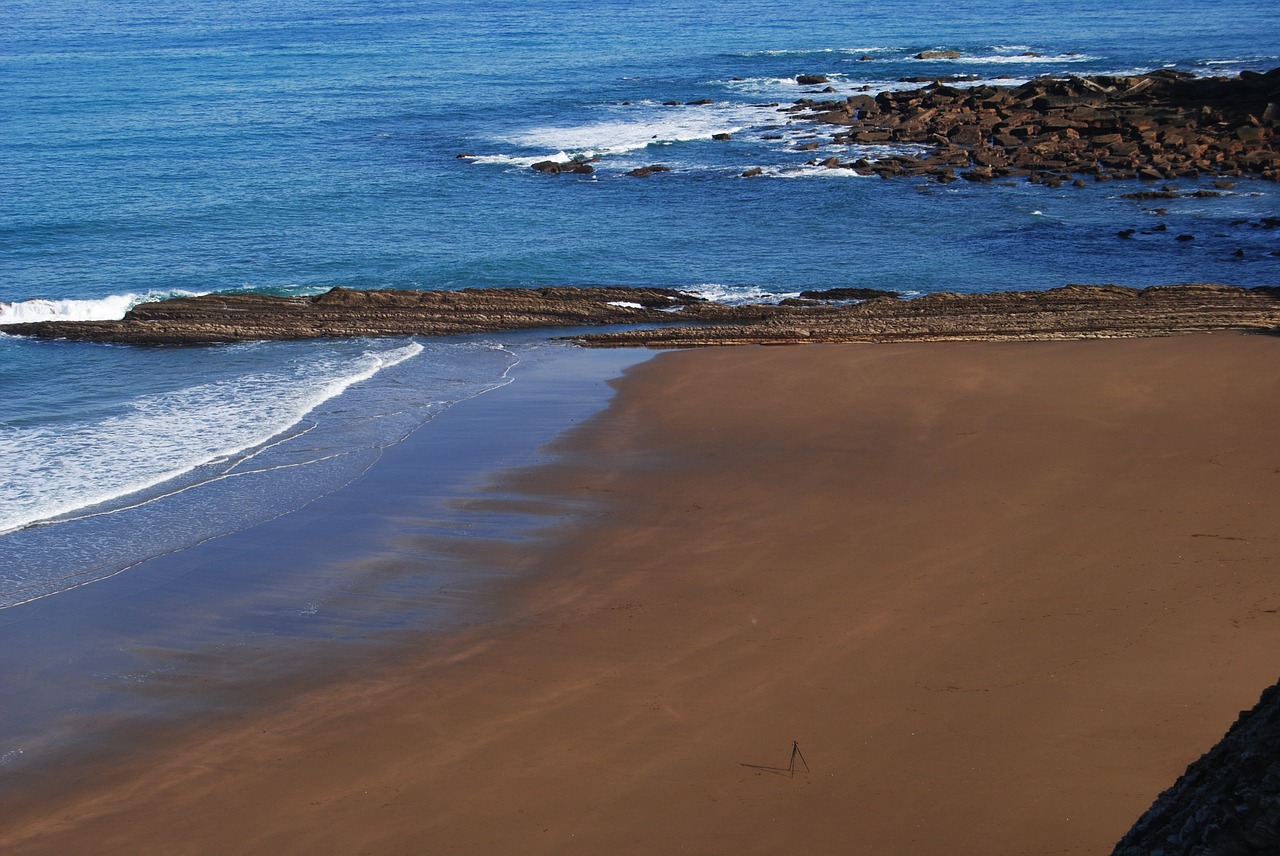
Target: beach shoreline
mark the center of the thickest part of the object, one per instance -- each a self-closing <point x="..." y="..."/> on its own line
<point x="306" y="597"/>
<point x="1000" y="595"/>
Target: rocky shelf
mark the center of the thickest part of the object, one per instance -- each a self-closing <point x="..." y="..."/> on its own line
<point x="1159" y="126"/>
<point x="1071" y="312"/>
<point x="657" y="317"/>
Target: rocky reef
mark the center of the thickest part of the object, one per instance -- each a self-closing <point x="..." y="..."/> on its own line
<point x="343" y="312"/>
<point x="660" y="317"/>
<point x="1227" y="803"/>
<point x="1157" y="126"/>
<point x="1071" y="312"/>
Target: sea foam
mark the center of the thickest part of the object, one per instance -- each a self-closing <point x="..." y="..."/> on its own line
<point x="630" y="128"/>
<point x="57" y="471"/>
<point x="110" y="308"/>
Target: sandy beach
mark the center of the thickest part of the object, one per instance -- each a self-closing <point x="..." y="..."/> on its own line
<point x="999" y="594"/>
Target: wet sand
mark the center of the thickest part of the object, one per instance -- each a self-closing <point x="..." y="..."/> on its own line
<point x="999" y="593"/>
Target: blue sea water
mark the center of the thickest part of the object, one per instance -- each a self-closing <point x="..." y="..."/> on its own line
<point x="292" y="146"/>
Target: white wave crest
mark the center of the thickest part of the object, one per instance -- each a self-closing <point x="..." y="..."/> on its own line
<point x="812" y="171"/>
<point x="640" y="126"/>
<point x="514" y="160"/>
<point x="52" y="472"/>
<point x="111" y="308"/>
<point x="734" y="295"/>
<point x="778" y="87"/>
<point x="801" y="52"/>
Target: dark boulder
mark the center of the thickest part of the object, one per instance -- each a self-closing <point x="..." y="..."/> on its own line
<point x="550" y="167"/>
<point x="646" y="171"/>
<point x="847" y="294"/>
<point x="811" y="79"/>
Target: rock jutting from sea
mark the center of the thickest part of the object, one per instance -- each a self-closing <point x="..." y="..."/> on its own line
<point x="658" y="317"/>
<point x="1157" y="126"/>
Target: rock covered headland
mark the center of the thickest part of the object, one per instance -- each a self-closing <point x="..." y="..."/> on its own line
<point x="1157" y="126"/>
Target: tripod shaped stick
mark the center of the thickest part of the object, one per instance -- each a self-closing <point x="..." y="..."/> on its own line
<point x="796" y="753"/>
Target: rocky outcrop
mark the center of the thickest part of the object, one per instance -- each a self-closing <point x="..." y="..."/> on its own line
<point x="667" y="318"/>
<point x="343" y="313"/>
<point x="577" y="166"/>
<point x="646" y="171"/>
<point x="1072" y="312"/>
<point x="847" y="294"/>
<point x="1158" y="126"/>
<point x="1225" y="804"/>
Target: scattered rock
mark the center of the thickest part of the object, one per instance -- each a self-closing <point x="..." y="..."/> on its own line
<point x="722" y="137"/>
<point x="1185" y="238"/>
<point x="811" y="79"/>
<point x="753" y="172"/>
<point x="938" y="55"/>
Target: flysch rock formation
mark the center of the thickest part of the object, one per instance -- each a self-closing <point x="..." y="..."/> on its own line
<point x="1159" y="126"/>
<point x="1227" y="803"/>
<point x="342" y="312"/>
<point x="1071" y="312"/>
<point x="658" y="317"/>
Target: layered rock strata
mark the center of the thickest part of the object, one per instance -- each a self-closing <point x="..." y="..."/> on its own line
<point x="1072" y="312"/>
<point x="1227" y="803"/>
<point x="344" y="312"/>
<point x="665" y="318"/>
<point x="1158" y="126"/>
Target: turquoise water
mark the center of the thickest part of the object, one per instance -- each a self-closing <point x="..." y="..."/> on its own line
<point x="292" y="146"/>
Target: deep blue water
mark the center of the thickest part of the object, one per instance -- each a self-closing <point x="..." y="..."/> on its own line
<point x="291" y="146"/>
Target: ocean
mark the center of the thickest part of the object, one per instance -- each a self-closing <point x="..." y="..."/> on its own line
<point x="151" y="150"/>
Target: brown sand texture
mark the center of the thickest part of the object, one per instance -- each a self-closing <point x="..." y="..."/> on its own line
<point x="1000" y="594"/>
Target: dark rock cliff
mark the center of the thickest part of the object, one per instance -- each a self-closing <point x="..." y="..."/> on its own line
<point x="1227" y="803"/>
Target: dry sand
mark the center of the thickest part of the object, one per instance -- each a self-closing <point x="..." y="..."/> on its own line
<point x="1001" y="595"/>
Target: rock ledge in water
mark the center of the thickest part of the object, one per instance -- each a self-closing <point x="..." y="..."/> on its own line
<point x="666" y="318"/>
